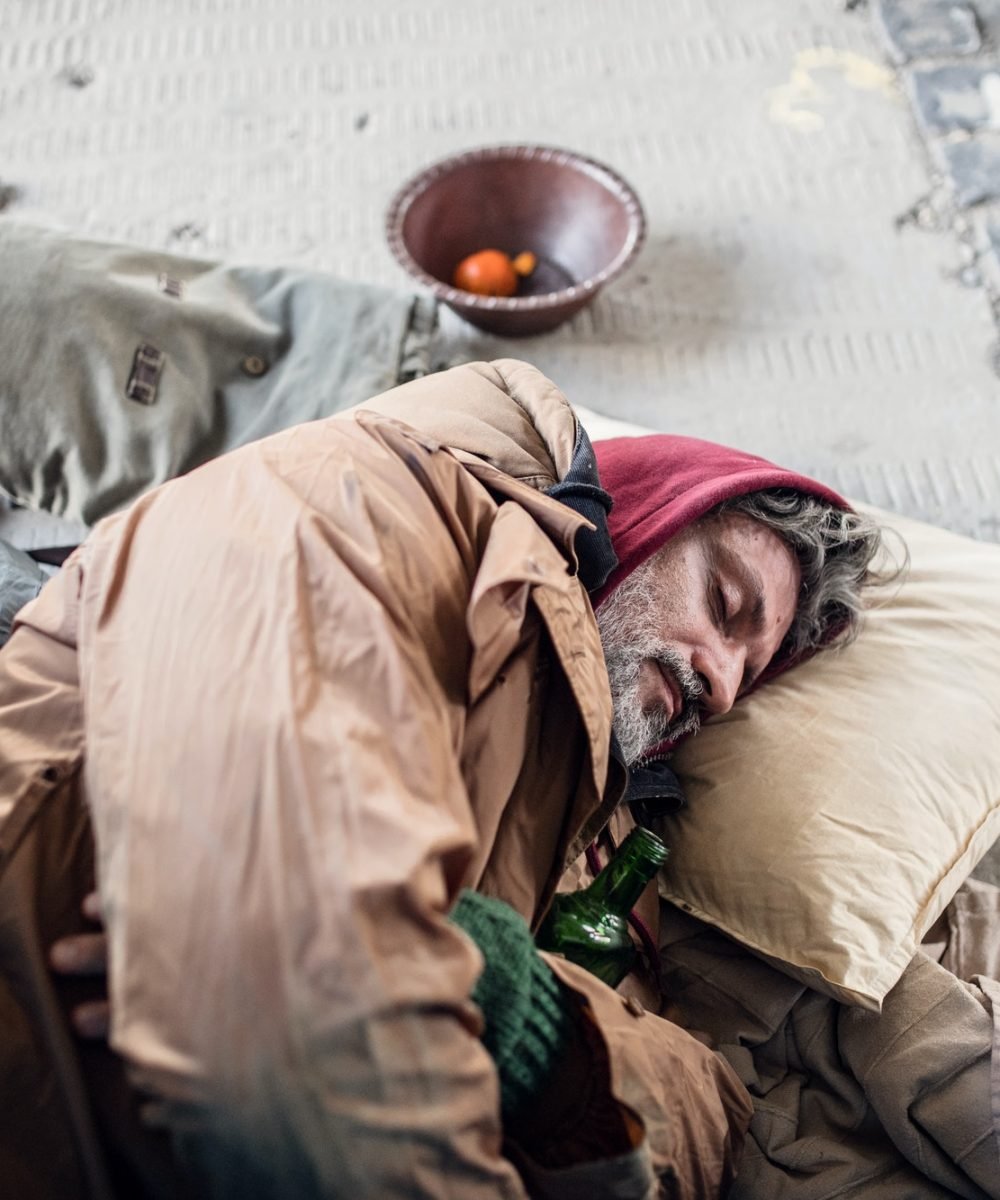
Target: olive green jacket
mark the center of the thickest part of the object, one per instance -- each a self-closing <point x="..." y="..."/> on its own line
<point x="122" y="367"/>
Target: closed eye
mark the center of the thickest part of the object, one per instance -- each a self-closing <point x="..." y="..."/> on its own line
<point x="720" y="612"/>
<point x="723" y="618"/>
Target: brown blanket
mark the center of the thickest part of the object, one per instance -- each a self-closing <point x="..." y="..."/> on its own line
<point x="899" y="1104"/>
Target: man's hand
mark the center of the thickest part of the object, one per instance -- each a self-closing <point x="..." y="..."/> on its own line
<point x="86" y="954"/>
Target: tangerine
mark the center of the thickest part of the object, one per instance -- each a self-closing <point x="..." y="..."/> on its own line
<point x="524" y="263"/>
<point x="486" y="273"/>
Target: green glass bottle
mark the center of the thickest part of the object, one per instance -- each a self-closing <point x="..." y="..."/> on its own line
<point x="590" y="927"/>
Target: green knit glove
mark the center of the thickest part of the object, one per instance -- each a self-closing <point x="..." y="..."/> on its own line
<point x="528" y="1019"/>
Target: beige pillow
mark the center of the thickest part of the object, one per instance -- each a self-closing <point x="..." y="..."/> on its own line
<point x="832" y="815"/>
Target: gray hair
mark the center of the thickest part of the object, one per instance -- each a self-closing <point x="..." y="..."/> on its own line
<point x="835" y="550"/>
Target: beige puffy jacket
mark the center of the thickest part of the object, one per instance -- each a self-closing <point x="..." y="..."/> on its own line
<point x="306" y="693"/>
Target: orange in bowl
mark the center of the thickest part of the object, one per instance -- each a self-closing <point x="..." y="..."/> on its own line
<point x="577" y="219"/>
<point x="492" y="272"/>
<point x="486" y="273"/>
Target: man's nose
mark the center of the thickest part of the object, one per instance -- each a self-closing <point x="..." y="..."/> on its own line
<point x="720" y="669"/>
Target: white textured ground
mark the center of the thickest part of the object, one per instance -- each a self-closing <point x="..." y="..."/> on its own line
<point x="776" y="306"/>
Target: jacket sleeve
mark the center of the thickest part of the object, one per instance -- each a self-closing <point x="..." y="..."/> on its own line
<point x="273" y="709"/>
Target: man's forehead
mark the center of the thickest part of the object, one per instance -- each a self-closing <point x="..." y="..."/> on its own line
<point x="759" y="560"/>
<point x="742" y="536"/>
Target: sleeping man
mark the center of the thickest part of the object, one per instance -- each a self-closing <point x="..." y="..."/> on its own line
<point x="329" y="717"/>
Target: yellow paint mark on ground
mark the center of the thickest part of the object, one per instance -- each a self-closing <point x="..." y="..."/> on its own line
<point x="791" y="104"/>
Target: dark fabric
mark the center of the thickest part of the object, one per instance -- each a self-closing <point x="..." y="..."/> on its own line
<point x="661" y="483"/>
<point x="54" y="556"/>
<point x="82" y="1137"/>
<point x="581" y="490"/>
<point x="49" y="1139"/>
<point x="653" y="791"/>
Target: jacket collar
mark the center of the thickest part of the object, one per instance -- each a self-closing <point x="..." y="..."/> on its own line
<point x="580" y="489"/>
<point x="652" y="789"/>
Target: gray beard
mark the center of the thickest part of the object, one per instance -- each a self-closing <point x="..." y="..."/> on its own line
<point x="629" y="640"/>
<point x="640" y="732"/>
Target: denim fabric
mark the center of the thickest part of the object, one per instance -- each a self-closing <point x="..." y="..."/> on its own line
<point x="21" y="580"/>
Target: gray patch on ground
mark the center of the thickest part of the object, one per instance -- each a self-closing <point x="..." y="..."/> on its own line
<point x="10" y="193"/>
<point x="928" y="29"/>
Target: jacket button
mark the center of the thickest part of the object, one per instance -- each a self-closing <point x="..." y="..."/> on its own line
<point x="254" y="366"/>
<point x="633" y="1006"/>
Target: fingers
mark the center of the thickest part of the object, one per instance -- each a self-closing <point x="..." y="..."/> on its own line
<point x="92" y="907"/>
<point x="92" y="1020"/>
<point x="80" y="954"/>
<point x="85" y="954"/>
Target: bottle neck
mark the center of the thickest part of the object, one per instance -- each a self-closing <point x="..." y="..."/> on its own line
<point x="620" y="884"/>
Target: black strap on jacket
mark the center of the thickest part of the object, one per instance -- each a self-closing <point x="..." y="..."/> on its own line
<point x="580" y="489"/>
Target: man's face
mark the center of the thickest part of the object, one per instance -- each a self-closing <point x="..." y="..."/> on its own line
<point x="693" y="627"/>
